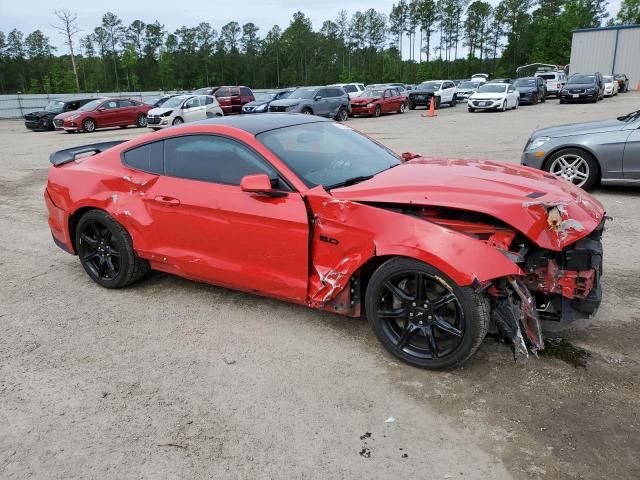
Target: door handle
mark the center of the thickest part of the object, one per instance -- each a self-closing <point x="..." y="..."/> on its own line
<point x="168" y="201"/>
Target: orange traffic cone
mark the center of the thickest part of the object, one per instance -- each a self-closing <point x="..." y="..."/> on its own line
<point x="432" y="108"/>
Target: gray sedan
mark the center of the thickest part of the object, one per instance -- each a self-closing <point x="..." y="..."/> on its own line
<point x="587" y="153"/>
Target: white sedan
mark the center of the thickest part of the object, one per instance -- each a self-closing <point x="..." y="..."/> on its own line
<point x="182" y="109"/>
<point x="494" y="96"/>
<point x="610" y="86"/>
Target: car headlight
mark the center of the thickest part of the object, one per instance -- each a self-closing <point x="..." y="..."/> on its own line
<point x="537" y="143"/>
<point x="261" y="108"/>
<point x="369" y="105"/>
<point x="167" y="114"/>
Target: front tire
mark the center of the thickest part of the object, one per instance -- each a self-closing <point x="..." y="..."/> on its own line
<point x="377" y="111"/>
<point x="106" y="251"/>
<point x="177" y="121"/>
<point x="422" y="317"/>
<point x="89" y="125"/>
<point x="574" y="165"/>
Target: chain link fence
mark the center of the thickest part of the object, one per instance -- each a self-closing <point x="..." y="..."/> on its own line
<point x="17" y="106"/>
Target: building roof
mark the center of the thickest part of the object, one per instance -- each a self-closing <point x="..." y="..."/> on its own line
<point x="613" y="27"/>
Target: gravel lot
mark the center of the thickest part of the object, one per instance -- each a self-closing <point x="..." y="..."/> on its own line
<point x="175" y="379"/>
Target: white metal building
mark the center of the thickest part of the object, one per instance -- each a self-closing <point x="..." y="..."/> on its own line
<point x="607" y="50"/>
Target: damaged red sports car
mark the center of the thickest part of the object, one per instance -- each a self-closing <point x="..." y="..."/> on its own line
<point x="435" y="252"/>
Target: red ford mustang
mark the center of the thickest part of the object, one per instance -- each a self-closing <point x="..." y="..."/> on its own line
<point x="434" y="252"/>
<point x="103" y="112"/>
<point x="376" y="101"/>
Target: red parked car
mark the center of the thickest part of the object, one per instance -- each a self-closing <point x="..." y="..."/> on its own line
<point x="374" y="102"/>
<point x="232" y="99"/>
<point x="435" y="253"/>
<point x="102" y="113"/>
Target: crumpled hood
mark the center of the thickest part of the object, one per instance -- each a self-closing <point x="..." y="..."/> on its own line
<point x="159" y="111"/>
<point x="364" y="100"/>
<point x="519" y="196"/>
<point x="579" y="128"/>
<point x="38" y="114"/>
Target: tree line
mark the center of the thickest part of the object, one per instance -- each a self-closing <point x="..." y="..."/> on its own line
<point x="443" y="38"/>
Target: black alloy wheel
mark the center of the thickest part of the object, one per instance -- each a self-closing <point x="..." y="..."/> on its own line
<point x="106" y="251"/>
<point x="422" y="317"/>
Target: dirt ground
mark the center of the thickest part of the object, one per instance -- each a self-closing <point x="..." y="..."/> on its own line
<point x="174" y="379"/>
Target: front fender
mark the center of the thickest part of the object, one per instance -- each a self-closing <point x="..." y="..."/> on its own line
<point x="347" y="234"/>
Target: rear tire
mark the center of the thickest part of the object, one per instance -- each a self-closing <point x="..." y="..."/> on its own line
<point x="307" y="111"/>
<point x="141" y="121"/>
<point x="402" y="108"/>
<point x="106" y="251"/>
<point x="440" y="325"/>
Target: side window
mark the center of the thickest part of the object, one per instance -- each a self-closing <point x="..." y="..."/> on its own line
<point x="350" y="88"/>
<point x="148" y="158"/>
<point x="192" y="102"/>
<point x="361" y="87"/>
<point x="111" y="104"/>
<point x="222" y="92"/>
<point x="208" y="100"/>
<point x="245" y="92"/>
<point x="71" y="106"/>
<point x="211" y="158"/>
<point x="322" y="93"/>
<point x="234" y="92"/>
<point x="126" y="103"/>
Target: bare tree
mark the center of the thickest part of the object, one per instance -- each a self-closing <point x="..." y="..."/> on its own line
<point x="68" y="27"/>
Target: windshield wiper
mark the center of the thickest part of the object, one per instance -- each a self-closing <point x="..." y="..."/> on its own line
<point x="349" y="181"/>
<point x="630" y="116"/>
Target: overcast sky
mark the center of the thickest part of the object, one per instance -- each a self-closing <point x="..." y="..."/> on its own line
<point x="29" y="15"/>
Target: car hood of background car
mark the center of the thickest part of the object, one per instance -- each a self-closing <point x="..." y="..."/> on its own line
<point x="487" y="95"/>
<point x="518" y="196"/>
<point x="65" y="115"/>
<point x="288" y="102"/>
<point x="39" y="114"/>
<point x="579" y="129"/>
<point x="257" y="103"/>
<point x="159" y="111"/>
<point x="365" y="100"/>
<point x="527" y="89"/>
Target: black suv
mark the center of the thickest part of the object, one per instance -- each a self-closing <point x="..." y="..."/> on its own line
<point x="532" y="89"/>
<point x="582" y="87"/>
<point x="43" y="119"/>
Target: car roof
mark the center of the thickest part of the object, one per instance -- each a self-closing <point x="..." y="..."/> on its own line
<point x="256" y="124"/>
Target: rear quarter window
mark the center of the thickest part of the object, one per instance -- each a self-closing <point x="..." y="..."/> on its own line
<point x="245" y="92"/>
<point x="147" y="158"/>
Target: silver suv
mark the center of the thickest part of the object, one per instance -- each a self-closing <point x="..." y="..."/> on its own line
<point x="331" y="102"/>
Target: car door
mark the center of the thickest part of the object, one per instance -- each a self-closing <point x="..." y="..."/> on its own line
<point x="193" y="109"/>
<point x="450" y="90"/>
<point x="127" y="113"/>
<point x="203" y="226"/>
<point x="387" y="101"/>
<point x="107" y="114"/>
<point x="224" y="99"/>
<point x="631" y="158"/>
<point x="321" y="105"/>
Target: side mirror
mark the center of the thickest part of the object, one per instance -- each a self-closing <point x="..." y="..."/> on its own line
<point x="259" y="183"/>
<point x="317" y="97"/>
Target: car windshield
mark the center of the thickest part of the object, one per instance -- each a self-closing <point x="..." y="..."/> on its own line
<point x="431" y="86"/>
<point x="372" y="93"/>
<point x="608" y="79"/>
<point x="174" y="102"/>
<point x="493" y="88"/>
<point x="303" y="93"/>
<point x="525" y="82"/>
<point x="202" y="91"/>
<point x="548" y="76"/>
<point x="468" y="85"/>
<point x="91" y="105"/>
<point x="54" y="107"/>
<point x="328" y="154"/>
<point x="263" y="96"/>
<point x="630" y="117"/>
<point x="582" y="79"/>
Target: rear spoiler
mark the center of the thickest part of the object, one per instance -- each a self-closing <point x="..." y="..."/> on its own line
<point x="69" y="155"/>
